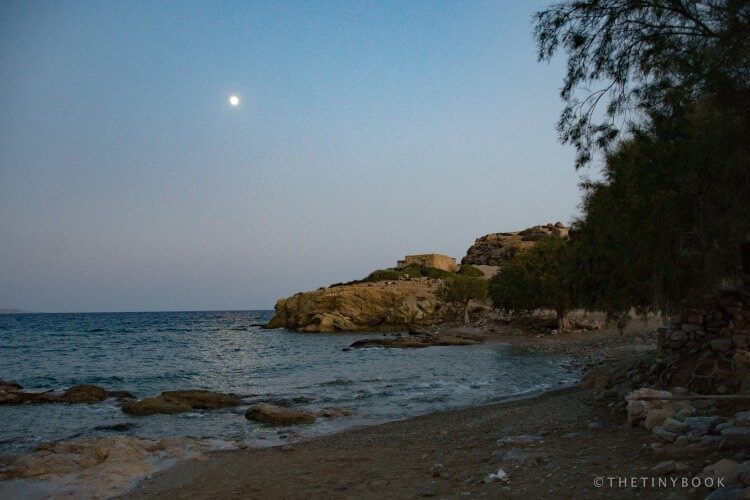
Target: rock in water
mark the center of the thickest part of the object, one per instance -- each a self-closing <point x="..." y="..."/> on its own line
<point x="414" y="341"/>
<point x="12" y="394"/>
<point x="277" y="415"/>
<point x="6" y="385"/>
<point x="180" y="401"/>
<point x="334" y="412"/>
<point x="84" y="394"/>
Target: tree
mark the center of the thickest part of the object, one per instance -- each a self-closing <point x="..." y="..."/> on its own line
<point x="668" y="220"/>
<point x="666" y="224"/>
<point x="461" y="290"/>
<point x="642" y="57"/>
<point x="540" y="278"/>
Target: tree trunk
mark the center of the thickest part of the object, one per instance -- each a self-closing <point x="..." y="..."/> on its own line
<point x="466" y="313"/>
<point x="560" y="319"/>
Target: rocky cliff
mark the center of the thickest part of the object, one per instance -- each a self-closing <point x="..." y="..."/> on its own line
<point x="378" y="306"/>
<point x="498" y="248"/>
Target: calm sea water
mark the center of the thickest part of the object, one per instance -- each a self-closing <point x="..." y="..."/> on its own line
<point x="147" y="353"/>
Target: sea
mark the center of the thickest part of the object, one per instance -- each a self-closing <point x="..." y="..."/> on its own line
<point x="147" y="353"/>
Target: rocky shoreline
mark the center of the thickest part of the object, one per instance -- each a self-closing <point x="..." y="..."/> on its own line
<point x="554" y="444"/>
<point x="407" y="303"/>
<point x="508" y="450"/>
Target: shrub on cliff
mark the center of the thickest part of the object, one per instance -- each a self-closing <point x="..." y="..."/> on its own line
<point x="470" y="271"/>
<point x="543" y="277"/>
<point x="460" y="290"/>
<point x="412" y="271"/>
<point x="384" y="275"/>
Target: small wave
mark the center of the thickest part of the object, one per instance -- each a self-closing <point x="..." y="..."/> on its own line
<point x="337" y="381"/>
<point x="431" y="398"/>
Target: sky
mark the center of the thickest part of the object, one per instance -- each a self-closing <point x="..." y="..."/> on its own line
<point x="365" y="131"/>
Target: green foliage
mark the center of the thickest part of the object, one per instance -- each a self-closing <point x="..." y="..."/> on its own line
<point x="412" y="271"/>
<point x="641" y="56"/>
<point x="666" y="223"/>
<point x="384" y="275"/>
<point x="533" y="236"/>
<point x="434" y="273"/>
<point x="543" y="277"/>
<point x="462" y="289"/>
<point x="470" y="271"/>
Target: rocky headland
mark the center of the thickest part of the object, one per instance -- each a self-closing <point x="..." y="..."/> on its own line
<point x="496" y="249"/>
<point x="373" y="306"/>
<point x="402" y="304"/>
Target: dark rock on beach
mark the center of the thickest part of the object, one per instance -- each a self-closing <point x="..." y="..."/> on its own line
<point x="414" y="341"/>
<point x="122" y="427"/>
<point x="180" y="401"/>
<point x="278" y="415"/>
<point x="13" y="394"/>
<point x="84" y="394"/>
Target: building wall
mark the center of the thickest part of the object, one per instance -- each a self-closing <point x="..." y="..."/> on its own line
<point x="430" y="260"/>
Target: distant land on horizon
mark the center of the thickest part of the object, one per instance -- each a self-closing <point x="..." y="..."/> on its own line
<point x="8" y="310"/>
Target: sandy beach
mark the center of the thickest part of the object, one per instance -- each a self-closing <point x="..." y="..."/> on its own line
<point x="551" y="445"/>
<point x="576" y="439"/>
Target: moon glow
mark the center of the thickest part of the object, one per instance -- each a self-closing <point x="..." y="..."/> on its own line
<point x="234" y="100"/>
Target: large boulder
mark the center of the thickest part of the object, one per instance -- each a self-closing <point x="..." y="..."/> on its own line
<point x="6" y="385"/>
<point x="84" y="394"/>
<point x="498" y="248"/>
<point x="639" y="408"/>
<point x="96" y="467"/>
<point x="180" y="401"/>
<point x="278" y="415"/>
<point x="13" y="394"/>
<point x="372" y="306"/>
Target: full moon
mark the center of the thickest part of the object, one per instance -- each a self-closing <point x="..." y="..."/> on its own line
<point x="234" y="100"/>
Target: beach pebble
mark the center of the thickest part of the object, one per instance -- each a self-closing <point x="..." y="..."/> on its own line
<point x="656" y="417"/>
<point x="664" y="434"/>
<point x="702" y="423"/>
<point x="523" y="456"/>
<point x="736" y="431"/>
<point x="685" y="411"/>
<point x="728" y="469"/>
<point x="668" y="467"/>
<point x="674" y="426"/>
<point x="500" y="475"/>
<point x="521" y="439"/>
<point x="431" y="490"/>
<point x="742" y="419"/>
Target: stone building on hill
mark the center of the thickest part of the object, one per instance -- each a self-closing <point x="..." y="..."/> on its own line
<point x="430" y="260"/>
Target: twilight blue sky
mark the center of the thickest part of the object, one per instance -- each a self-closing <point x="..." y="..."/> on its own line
<point x="367" y="130"/>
